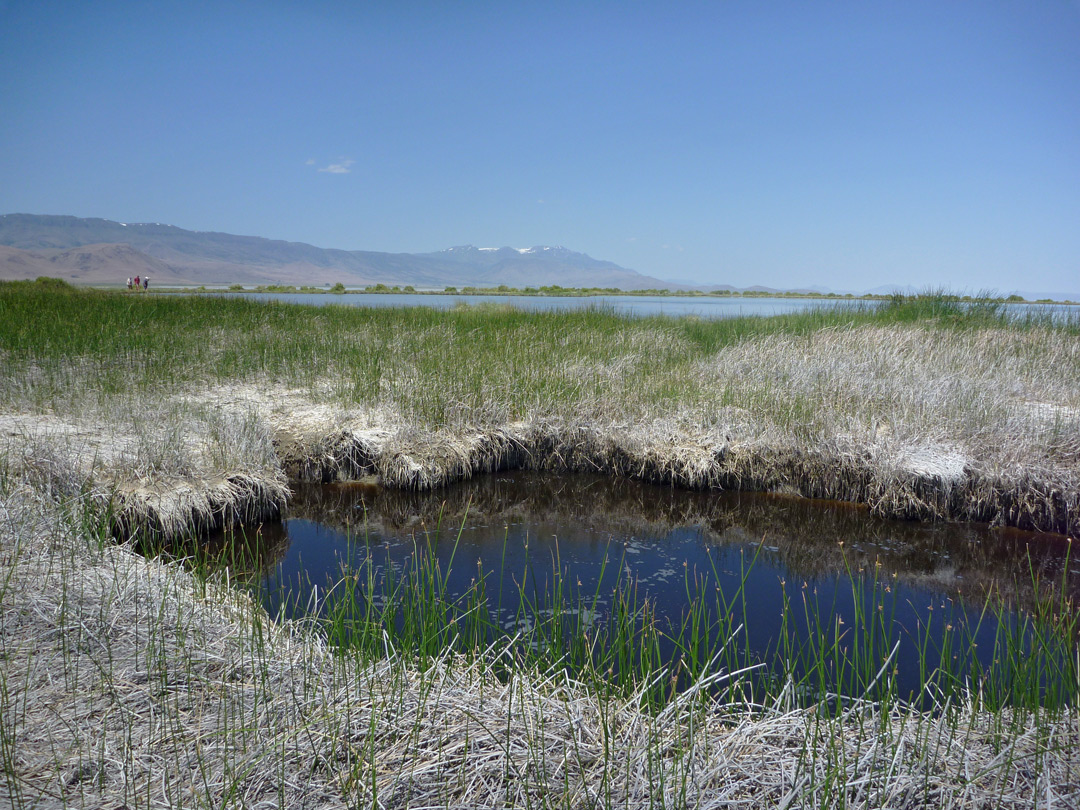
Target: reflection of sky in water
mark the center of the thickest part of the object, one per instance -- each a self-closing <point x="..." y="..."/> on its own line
<point x="635" y="305"/>
<point x="522" y="531"/>
<point x="709" y="307"/>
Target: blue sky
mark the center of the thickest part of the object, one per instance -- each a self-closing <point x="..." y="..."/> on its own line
<point x="845" y="144"/>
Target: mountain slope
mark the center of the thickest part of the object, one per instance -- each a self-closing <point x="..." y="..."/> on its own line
<point x="89" y="264"/>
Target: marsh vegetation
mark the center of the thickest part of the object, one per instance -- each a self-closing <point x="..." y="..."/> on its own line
<point x="137" y="681"/>
<point x="925" y="408"/>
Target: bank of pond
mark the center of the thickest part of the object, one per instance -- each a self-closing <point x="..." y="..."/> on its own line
<point x="649" y="590"/>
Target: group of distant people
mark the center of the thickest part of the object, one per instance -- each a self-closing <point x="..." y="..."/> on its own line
<point x="144" y="282"/>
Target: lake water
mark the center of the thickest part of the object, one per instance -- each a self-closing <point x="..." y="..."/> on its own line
<point x="824" y="560"/>
<point x="634" y="305"/>
<point x="638" y="305"/>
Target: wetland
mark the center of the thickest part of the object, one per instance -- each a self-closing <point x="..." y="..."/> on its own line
<point x="386" y="671"/>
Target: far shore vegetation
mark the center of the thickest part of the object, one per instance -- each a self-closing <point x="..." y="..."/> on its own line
<point x="140" y="421"/>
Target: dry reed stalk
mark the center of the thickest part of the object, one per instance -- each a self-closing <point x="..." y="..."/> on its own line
<point x="172" y="471"/>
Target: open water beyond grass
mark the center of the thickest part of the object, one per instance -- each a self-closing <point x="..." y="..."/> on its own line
<point x="625" y="576"/>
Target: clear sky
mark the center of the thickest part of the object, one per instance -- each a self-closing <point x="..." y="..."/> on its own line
<point x="844" y="144"/>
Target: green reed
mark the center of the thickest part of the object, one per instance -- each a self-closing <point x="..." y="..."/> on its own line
<point x="613" y="639"/>
<point x="432" y="363"/>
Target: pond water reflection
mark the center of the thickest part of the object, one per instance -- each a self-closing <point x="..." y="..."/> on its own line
<point x="775" y="559"/>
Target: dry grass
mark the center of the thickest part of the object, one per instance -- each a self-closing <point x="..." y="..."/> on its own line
<point x="970" y="425"/>
<point x="167" y="467"/>
<point x="126" y="682"/>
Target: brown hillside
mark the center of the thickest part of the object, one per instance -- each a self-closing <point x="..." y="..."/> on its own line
<point x="114" y="263"/>
<point x="89" y="264"/>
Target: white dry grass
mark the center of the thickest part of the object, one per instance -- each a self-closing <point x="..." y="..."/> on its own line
<point x="167" y="466"/>
<point x="917" y="421"/>
<point x="125" y="682"/>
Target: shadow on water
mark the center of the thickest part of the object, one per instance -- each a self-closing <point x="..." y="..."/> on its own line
<point x="803" y="581"/>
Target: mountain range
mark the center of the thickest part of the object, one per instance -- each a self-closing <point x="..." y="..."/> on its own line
<point x="100" y="251"/>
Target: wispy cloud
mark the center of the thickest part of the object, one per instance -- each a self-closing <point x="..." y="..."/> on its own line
<point x="309" y="162"/>
<point x="341" y="167"/>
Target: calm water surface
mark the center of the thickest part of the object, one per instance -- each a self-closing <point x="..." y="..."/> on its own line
<point x="636" y="305"/>
<point x="588" y="531"/>
<point x="623" y="304"/>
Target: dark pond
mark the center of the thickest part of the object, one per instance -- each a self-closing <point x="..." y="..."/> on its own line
<point x="824" y="561"/>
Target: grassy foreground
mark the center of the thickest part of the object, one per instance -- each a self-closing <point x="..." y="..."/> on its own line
<point x="125" y="681"/>
<point x="130" y="682"/>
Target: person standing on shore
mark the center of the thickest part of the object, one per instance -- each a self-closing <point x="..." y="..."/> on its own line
<point x="146" y="282"/>
<point x="129" y="282"/>
<point x="136" y="282"/>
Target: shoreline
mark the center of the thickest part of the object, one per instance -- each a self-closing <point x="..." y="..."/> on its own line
<point x="901" y="485"/>
<point x="908" y="486"/>
<point x="548" y="292"/>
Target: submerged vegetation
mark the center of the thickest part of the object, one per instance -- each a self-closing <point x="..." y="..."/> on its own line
<point x="133" y="681"/>
<point x="613" y="638"/>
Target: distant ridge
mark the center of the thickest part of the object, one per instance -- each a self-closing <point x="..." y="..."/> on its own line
<point x="99" y="251"/>
<point x="89" y="264"/>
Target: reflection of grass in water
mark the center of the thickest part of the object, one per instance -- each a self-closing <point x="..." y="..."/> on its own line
<point x="809" y="538"/>
<point x="244" y="554"/>
<point x="613" y="639"/>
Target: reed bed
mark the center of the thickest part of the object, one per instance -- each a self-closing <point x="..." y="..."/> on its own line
<point x="922" y="409"/>
<point x="129" y="682"/>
